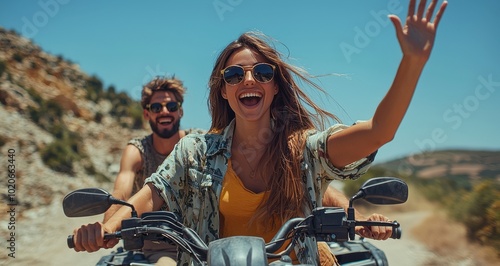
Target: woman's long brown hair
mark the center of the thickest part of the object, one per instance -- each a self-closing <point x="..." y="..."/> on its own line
<point x="291" y="120"/>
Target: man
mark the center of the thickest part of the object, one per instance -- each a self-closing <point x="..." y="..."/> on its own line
<point x="161" y="100"/>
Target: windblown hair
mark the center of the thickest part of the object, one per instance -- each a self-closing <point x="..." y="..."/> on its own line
<point x="170" y="84"/>
<point x="290" y="121"/>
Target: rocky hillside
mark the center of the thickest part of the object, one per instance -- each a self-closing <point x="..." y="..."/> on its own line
<point x="466" y="164"/>
<point x="62" y="128"/>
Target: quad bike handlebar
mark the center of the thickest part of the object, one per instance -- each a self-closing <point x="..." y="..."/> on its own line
<point x="329" y="224"/>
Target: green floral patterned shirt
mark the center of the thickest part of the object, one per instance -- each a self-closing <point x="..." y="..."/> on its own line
<point x="190" y="179"/>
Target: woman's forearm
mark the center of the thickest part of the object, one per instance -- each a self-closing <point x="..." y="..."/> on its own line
<point x="392" y="108"/>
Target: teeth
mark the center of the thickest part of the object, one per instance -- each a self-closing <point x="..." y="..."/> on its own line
<point x="250" y="94"/>
<point x="165" y="120"/>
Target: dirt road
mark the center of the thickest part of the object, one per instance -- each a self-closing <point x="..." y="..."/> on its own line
<point x="42" y="239"/>
<point x="406" y="251"/>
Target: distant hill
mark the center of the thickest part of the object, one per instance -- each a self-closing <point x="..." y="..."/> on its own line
<point x="470" y="164"/>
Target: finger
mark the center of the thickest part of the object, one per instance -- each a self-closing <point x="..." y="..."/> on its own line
<point x="388" y="232"/>
<point x="364" y="232"/>
<point x="421" y="9"/>
<point x="77" y="236"/>
<point x="92" y="235"/>
<point x="375" y="232"/>
<point x="440" y="14"/>
<point x="84" y="238"/>
<point x="111" y="243"/>
<point x="411" y="8"/>
<point x="397" y="25"/>
<point x="430" y="10"/>
<point x="382" y="235"/>
<point x="99" y="235"/>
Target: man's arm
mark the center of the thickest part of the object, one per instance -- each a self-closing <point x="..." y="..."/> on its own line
<point x="130" y="163"/>
<point x="334" y="198"/>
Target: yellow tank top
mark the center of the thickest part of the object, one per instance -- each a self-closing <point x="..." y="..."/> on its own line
<point x="237" y="204"/>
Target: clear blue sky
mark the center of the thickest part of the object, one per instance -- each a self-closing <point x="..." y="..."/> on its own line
<point x="126" y="43"/>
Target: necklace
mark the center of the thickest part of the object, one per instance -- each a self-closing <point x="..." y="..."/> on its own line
<point x="252" y="171"/>
<point x="252" y="152"/>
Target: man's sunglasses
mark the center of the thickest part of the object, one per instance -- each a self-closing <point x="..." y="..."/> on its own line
<point x="157" y="107"/>
<point x="262" y="72"/>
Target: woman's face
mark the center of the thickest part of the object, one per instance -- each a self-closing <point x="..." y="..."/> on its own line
<point x="250" y="99"/>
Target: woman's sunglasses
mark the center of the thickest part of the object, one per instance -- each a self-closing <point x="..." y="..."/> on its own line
<point x="157" y="107"/>
<point x="262" y="72"/>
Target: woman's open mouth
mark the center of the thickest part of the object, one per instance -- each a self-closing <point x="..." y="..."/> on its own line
<point x="250" y="98"/>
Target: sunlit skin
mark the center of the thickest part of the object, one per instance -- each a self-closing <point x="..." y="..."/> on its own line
<point x="416" y="39"/>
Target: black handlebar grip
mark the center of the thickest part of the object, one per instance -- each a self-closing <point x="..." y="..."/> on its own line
<point x="396" y="233"/>
<point x="70" y="241"/>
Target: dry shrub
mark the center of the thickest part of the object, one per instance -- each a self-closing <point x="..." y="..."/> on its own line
<point x="448" y="240"/>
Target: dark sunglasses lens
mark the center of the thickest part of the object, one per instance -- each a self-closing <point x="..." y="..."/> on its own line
<point x="155" y="107"/>
<point x="233" y="75"/>
<point x="172" y="106"/>
<point x="263" y="72"/>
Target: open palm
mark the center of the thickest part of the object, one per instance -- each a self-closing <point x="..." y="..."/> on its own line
<point x="416" y="37"/>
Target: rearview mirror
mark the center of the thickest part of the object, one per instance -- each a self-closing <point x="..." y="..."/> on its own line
<point x="383" y="190"/>
<point x="86" y="202"/>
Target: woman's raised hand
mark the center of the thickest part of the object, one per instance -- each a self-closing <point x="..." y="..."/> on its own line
<point x="416" y="37"/>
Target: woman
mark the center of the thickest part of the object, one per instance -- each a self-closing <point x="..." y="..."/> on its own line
<point x="263" y="161"/>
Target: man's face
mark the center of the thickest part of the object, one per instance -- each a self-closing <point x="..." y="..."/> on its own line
<point x="164" y="123"/>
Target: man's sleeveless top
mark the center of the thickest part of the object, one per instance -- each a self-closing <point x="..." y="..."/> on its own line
<point x="151" y="159"/>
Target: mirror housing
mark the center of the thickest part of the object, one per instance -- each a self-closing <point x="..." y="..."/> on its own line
<point x="90" y="201"/>
<point x="383" y="191"/>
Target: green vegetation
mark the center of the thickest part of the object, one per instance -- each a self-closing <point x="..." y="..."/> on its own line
<point x="94" y="89"/>
<point x="48" y="115"/>
<point x="17" y="57"/>
<point x="67" y="148"/>
<point x="62" y="152"/>
<point x="3" y="141"/>
<point x="479" y="210"/>
<point x="98" y="117"/>
<point x="475" y="204"/>
<point x="3" y="67"/>
<point x="123" y="106"/>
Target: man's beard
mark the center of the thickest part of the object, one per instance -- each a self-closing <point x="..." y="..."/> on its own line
<point x="165" y="133"/>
